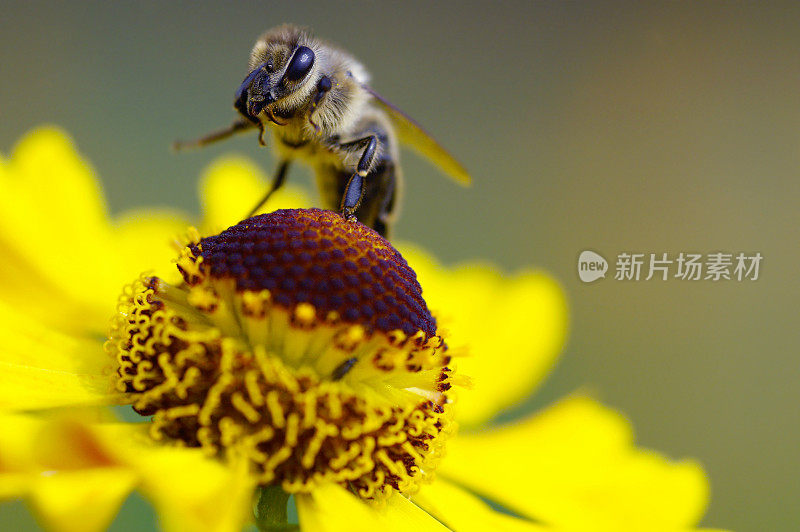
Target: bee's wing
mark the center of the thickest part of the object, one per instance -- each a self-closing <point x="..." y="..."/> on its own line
<point x="413" y="135"/>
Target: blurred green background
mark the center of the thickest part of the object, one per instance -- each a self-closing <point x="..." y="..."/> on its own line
<point x="624" y="127"/>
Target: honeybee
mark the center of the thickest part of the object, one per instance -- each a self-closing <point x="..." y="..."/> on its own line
<point x="315" y="100"/>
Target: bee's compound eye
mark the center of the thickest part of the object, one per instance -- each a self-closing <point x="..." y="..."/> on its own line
<point x="301" y="63"/>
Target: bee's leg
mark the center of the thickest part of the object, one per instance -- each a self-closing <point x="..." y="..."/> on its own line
<point x="261" y="131"/>
<point x="280" y="178"/>
<point x="354" y="191"/>
<point x="323" y="87"/>
<point x="386" y="213"/>
<point x="222" y="134"/>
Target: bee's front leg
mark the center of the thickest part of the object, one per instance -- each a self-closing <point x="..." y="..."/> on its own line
<point x="323" y="87"/>
<point x="277" y="183"/>
<point x="354" y="191"/>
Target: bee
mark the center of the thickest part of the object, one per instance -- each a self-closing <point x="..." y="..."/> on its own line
<point x="315" y="100"/>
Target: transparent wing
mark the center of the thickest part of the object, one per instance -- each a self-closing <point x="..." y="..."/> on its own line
<point x="412" y="134"/>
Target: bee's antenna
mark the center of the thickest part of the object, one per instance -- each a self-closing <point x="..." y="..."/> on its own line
<point x="215" y="136"/>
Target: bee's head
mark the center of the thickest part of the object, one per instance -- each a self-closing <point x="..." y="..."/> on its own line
<point x="283" y="73"/>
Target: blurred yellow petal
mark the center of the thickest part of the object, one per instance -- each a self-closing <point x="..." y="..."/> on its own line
<point x="574" y="465"/>
<point x="42" y="368"/>
<point x="401" y="514"/>
<point x="511" y="329"/>
<point x="64" y="260"/>
<point x="192" y="492"/>
<point x="140" y="241"/>
<point x="80" y="501"/>
<point x="48" y="187"/>
<point x="145" y="242"/>
<point x="62" y="469"/>
<point x="13" y="485"/>
<point x="52" y="214"/>
<point x="25" y="289"/>
<point x="232" y="186"/>
<point x="17" y="459"/>
<point x="16" y="436"/>
<point x="462" y="511"/>
<point x="39" y="457"/>
<point x="331" y="508"/>
<point x="29" y="388"/>
<point x="29" y="342"/>
<point x="63" y="442"/>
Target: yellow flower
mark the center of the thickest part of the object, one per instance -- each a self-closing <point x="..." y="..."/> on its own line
<point x="573" y="466"/>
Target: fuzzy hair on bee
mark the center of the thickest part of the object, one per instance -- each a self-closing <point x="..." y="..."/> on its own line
<point x="315" y="101"/>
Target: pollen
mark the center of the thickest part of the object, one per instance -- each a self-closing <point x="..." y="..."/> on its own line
<point x="299" y="341"/>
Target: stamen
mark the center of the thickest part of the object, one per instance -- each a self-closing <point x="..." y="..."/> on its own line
<point x="297" y="340"/>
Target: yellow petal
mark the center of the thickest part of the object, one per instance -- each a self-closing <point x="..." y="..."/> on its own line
<point x="59" y="465"/>
<point x="35" y="444"/>
<point x="13" y="485"/>
<point x="30" y="388"/>
<point x="462" y="511"/>
<point x="575" y="466"/>
<point x="330" y="508"/>
<point x="64" y="262"/>
<point x="140" y="241"/>
<point x="47" y="188"/>
<point x="28" y="291"/>
<point x="39" y="457"/>
<point x="29" y="342"/>
<point x="401" y="514"/>
<point x="511" y="329"/>
<point x="146" y="242"/>
<point x="16" y="459"/>
<point x="52" y="217"/>
<point x="17" y="433"/>
<point x="232" y="186"/>
<point x="43" y="368"/>
<point x="192" y="492"/>
<point x="80" y="501"/>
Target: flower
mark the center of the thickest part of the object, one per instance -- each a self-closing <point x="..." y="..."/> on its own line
<point x="571" y="467"/>
<point x="298" y="341"/>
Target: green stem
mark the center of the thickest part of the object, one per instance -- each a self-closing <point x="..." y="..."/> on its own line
<point x="270" y="510"/>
